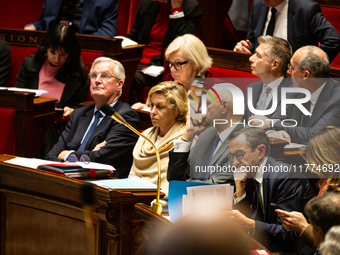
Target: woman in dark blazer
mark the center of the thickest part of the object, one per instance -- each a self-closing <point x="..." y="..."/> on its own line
<point x="56" y="67"/>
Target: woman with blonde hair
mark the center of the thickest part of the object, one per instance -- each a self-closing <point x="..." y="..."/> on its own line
<point x="169" y="107"/>
<point x="323" y="158"/>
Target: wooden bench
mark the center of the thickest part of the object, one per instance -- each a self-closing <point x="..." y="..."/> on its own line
<point x="24" y="42"/>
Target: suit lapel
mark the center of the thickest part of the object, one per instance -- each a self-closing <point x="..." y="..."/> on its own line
<point x="290" y="25"/>
<point x="321" y="102"/>
<point x="224" y="149"/>
<point x="260" y="26"/>
<point x="86" y="12"/>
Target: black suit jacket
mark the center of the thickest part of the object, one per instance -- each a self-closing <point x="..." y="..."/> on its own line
<point x="257" y="88"/>
<point x="145" y="18"/>
<point x="5" y="62"/>
<point x="290" y="191"/>
<point x="120" y="140"/>
<point x="326" y="113"/>
<point x="75" y="90"/>
<point x="306" y="26"/>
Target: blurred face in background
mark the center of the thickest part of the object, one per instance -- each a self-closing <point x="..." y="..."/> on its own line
<point x="181" y="69"/>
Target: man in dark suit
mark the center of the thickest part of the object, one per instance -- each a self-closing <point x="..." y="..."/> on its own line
<point x="270" y="63"/>
<point x="92" y="17"/>
<point x="5" y="62"/>
<point x="260" y="182"/>
<point x="309" y="69"/>
<point x="300" y="22"/>
<point x="208" y="159"/>
<point x="90" y="132"/>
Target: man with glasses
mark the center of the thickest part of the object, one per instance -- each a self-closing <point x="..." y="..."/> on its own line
<point x="263" y="184"/>
<point x="90" y="132"/>
<point x="208" y="159"/>
<point x="309" y="69"/>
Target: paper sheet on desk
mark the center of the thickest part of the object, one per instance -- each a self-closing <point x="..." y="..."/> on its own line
<point x="126" y="41"/>
<point x="153" y="71"/>
<point x="34" y="163"/>
<point x="293" y="146"/>
<point x="38" y="92"/>
<point x="134" y="184"/>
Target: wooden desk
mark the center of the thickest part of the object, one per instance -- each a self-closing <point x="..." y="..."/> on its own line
<point x="34" y="117"/>
<point x="41" y="213"/>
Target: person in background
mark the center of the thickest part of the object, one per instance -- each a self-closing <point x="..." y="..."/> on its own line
<point x="157" y="24"/>
<point x="90" y="132"/>
<point x="323" y="213"/>
<point x="187" y="58"/>
<point x="5" y="62"/>
<point x="331" y="245"/>
<point x="300" y="22"/>
<point x="57" y="68"/>
<point x="322" y="150"/>
<point x="169" y="107"/>
<point x="91" y="17"/>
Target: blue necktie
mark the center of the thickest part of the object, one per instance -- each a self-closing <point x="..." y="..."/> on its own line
<point x="213" y="148"/>
<point x="262" y="100"/>
<point x="97" y="116"/>
<point x="271" y="25"/>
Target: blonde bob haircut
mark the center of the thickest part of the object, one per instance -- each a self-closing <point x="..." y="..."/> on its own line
<point x="176" y="97"/>
<point x="193" y="50"/>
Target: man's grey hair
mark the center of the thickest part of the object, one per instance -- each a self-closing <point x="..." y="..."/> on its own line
<point x="312" y="62"/>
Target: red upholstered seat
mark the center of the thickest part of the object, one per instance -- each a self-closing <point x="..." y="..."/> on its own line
<point x="7" y="131"/>
<point x="18" y="55"/>
<point x="126" y="15"/>
<point x="88" y="57"/>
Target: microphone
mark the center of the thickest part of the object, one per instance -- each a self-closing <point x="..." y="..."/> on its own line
<point x="108" y="110"/>
<point x="88" y="198"/>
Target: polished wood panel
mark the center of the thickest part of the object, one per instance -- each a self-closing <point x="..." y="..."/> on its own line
<point x="34" y="117"/>
<point x="41" y="213"/>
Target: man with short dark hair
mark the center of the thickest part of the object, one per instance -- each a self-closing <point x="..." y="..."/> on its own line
<point x="323" y="213"/>
<point x="273" y="185"/>
<point x="270" y="63"/>
<point x="90" y="132"/>
<point x="309" y="69"/>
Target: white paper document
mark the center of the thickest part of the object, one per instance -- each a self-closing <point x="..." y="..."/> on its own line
<point x="208" y="198"/>
<point x="126" y="41"/>
<point x="34" y="163"/>
<point x="38" y="92"/>
<point x="153" y="71"/>
<point x="133" y="183"/>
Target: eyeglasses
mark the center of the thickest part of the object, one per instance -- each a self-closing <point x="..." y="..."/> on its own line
<point x="103" y="76"/>
<point x="177" y="65"/>
<point x="238" y="154"/>
<point x="72" y="158"/>
<point x="290" y="68"/>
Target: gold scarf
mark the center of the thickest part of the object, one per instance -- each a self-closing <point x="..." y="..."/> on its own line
<point x="144" y="156"/>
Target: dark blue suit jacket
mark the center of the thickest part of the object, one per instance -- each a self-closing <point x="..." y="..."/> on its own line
<point x="257" y="88"/>
<point x="326" y="113"/>
<point x="99" y="17"/>
<point x="290" y="192"/>
<point x="306" y="26"/>
<point x="120" y="140"/>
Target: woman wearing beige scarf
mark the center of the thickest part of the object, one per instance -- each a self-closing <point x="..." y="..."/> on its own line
<point x="168" y="109"/>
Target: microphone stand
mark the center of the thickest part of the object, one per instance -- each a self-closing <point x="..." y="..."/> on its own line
<point x="157" y="206"/>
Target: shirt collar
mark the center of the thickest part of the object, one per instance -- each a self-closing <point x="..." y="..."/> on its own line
<point x="259" y="174"/>
<point x="225" y="133"/>
<point x="103" y="114"/>
<point x="282" y="8"/>
<point x="276" y="83"/>
<point x="316" y="94"/>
